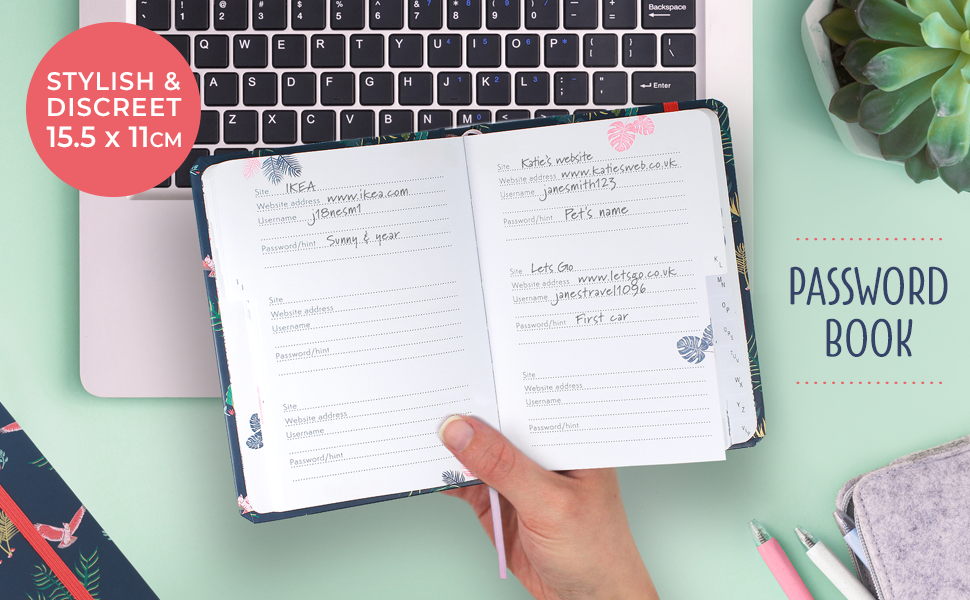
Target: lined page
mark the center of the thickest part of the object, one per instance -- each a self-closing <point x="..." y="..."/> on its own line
<point x="364" y="317"/>
<point x="595" y="241"/>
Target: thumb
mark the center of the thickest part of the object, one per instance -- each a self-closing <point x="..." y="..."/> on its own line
<point x="494" y="460"/>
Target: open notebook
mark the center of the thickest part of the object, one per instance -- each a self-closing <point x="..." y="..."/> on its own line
<point x="577" y="282"/>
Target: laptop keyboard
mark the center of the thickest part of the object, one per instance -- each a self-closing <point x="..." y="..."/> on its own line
<point x="281" y="72"/>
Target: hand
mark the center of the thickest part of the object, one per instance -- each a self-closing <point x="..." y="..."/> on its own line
<point x="566" y="534"/>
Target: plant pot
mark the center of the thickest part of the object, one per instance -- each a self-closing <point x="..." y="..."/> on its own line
<point x="817" y="49"/>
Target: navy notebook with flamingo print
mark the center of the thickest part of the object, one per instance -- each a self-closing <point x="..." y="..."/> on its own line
<point x="51" y="547"/>
<point x="578" y="282"/>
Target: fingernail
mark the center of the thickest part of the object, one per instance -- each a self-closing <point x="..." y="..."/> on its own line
<point x="456" y="433"/>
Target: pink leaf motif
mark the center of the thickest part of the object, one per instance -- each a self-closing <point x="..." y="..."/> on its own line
<point x="621" y="135"/>
<point x="250" y="167"/>
<point x="209" y="266"/>
<point x="643" y="125"/>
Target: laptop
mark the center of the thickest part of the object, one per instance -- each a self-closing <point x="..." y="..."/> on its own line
<point x="276" y="73"/>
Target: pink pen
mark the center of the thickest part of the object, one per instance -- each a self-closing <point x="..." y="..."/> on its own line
<point x="779" y="565"/>
<point x="497" y="529"/>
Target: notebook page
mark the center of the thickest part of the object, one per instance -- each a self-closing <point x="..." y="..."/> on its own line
<point x="595" y="242"/>
<point x="364" y="320"/>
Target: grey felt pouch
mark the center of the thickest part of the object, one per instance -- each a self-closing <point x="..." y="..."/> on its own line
<point x="913" y="519"/>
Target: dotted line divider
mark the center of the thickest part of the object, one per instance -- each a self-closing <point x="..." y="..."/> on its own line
<point x="633" y="185"/>
<point x="513" y="212"/>
<point x="437" y="312"/>
<point x="368" y="335"/>
<point x="371" y="349"/>
<point x="385" y="412"/>
<point x="457" y="387"/>
<point x="358" y="228"/>
<point x="866" y="383"/>
<point x="679" y="437"/>
<point x="590" y="162"/>
<point x="284" y="237"/>
<point x="587" y="176"/>
<point x="572" y="312"/>
<point x="621" y="373"/>
<point x="317" y="464"/>
<point x="369" y="307"/>
<point x="606" y="323"/>
<point x="842" y="239"/>
<point x="366" y="428"/>
<point x="417" y="462"/>
<point x="639" y="214"/>
<point x="608" y="337"/>
<point x="358" y="185"/>
<point x="378" y="362"/>
<point x="621" y="427"/>
<point x="363" y="443"/>
<point x="622" y="400"/>
<point x="313" y="262"/>
<point x="662" y="262"/>
<point x="542" y="237"/>
<point x="375" y="241"/>
<point x="588" y="283"/>
<point x="404" y="289"/>
<point x="614" y="387"/>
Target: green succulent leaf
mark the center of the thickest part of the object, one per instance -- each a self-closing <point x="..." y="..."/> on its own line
<point x="948" y="140"/>
<point x="841" y="26"/>
<point x="909" y="137"/>
<point x="881" y="112"/>
<point x="890" y="21"/>
<point x="897" y="67"/>
<point x="859" y="53"/>
<point x="920" y="169"/>
<point x="938" y="34"/>
<point x="950" y="92"/>
<point x="944" y="8"/>
<point x="957" y="176"/>
<point x="845" y="103"/>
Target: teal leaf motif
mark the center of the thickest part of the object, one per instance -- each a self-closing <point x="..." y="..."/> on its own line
<point x="275" y="168"/>
<point x="452" y="478"/>
<point x="255" y="441"/>
<point x="692" y="348"/>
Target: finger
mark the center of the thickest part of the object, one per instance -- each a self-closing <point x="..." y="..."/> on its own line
<point x="495" y="460"/>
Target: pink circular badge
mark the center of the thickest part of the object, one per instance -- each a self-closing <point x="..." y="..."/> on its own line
<point x="113" y="109"/>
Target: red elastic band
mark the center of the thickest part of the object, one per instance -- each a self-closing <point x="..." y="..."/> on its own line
<point x="671" y="107"/>
<point x="43" y="547"/>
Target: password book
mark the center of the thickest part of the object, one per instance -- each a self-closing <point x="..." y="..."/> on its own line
<point x="577" y="282"/>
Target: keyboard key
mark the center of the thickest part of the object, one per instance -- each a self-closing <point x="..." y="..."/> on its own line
<point x="619" y="14"/>
<point x="677" y="50"/>
<point x="377" y="89"/>
<point x="240" y="126"/>
<point x="396" y="122"/>
<point x="639" y="50"/>
<point x="522" y="50"/>
<point x="405" y="51"/>
<point x="465" y="14"/>
<point x="571" y="88"/>
<point x="424" y="14"/>
<point x="211" y="51"/>
<point x="221" y="89"/>
<point x="580" y="14"/>
<point x="153" y="14"/>
<point x="367" y="50"/>
<point x="269" y="14"/>
<point x="308" y="14"/>
<point x="327" y="51"/>
<point x="181" y="43"/>
<point x="493" y="89"/>
<point x="346" y="14"/>
<point x="551" y="113"/>
<point x="208" y="128"/>
<point x="502" y="14"/>
<point x="386" y="14"/>
<point x="414" y="89"/>
<point x="444" y="50"/>
<point x="562" y="50"/>
<point x="167" y="182"/>
<point x="198" y="83"/>
<point x="660" y="87"/>
<point x="542" y="14"/>
<point x="229" y="151"/>
<point x="599" y="50"/>
<point x="299" y="89"/>
<point x="356" y="124"/>
<point x="336" y="89"/>
<point x="678" y="15"/>
<point x="484" y="51"/>
<point x="609" y="87"/>
<point x="474" y="117"/>
<point x="318" y="126"/>
<point x="279" y="126"/>
<point x="532" y="88"/>
<point x="231" y="15"/>
<point x="191" y="15"/>
<point x="433" y="119"/>
<point x="250" y="51"/>
<point x="182" y="173"/>
<point x="259" y="89"/>
<point x="511" y="115"/>
<point x="289" y="51"/>
<point x="454" y="88"/>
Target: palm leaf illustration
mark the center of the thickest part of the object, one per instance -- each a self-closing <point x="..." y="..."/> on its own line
<point x="88" y="573"/>
<point x="754" y="363"/>
<point x="7" y="531"/>
<point x="735" y="206"/>
<point x="743" y="264"/>
<point x="275" y="168"/>
<point x="452" y="478"/>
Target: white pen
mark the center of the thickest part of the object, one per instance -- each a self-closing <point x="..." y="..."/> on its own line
<point x="830" y="566"/>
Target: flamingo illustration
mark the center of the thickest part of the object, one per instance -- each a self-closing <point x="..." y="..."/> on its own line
<point x="64" y="535"/>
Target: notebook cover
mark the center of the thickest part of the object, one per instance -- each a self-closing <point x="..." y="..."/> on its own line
<point x="207" y="161"/>
<point x="45" y="499"/>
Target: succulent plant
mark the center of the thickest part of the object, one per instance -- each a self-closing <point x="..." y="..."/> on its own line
<point x="910" y="61"/>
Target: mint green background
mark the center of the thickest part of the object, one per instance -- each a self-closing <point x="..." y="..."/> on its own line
<point x="156" y="472"/>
